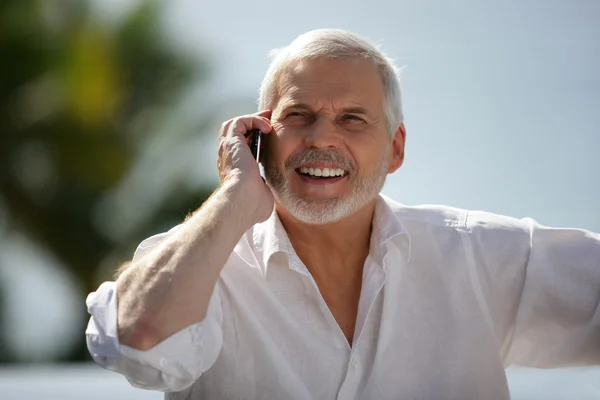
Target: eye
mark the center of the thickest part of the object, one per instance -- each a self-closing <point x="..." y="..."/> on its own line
<point x="296" y="114"/>
<point x="351" y="117"/>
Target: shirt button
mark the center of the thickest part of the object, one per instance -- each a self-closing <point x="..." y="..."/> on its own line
<point x="163" y="362"/>
<point x="354" y="363"/>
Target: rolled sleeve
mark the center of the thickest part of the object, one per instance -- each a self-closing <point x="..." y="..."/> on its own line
<point x="172" y="365"/>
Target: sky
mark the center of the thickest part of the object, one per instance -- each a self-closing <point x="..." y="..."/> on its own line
<point x="500" y="98"/>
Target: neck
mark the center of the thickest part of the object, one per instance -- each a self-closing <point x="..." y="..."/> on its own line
<point x="338" y="247"/>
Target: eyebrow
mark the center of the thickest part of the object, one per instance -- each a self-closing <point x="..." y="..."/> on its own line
<point x="355" y="110"/>
<point x="293" y="104"/>
<point x="346" y="110"/>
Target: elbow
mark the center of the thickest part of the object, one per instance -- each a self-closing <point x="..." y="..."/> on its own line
<point x="139" y="342"/>
<point x="139" y="335"/>
<point x="136" y="328"/>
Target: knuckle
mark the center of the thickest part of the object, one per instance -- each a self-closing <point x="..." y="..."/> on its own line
<point x="237" y="123"/>
<point x="224" y="128"/>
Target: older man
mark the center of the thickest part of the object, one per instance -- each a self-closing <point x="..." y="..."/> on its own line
<point x="312" y="285"/>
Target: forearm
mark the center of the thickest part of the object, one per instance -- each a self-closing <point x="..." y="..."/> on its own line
<point x="170" y="288"/>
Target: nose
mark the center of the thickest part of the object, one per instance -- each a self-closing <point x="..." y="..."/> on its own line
<point x="322" y="134"/>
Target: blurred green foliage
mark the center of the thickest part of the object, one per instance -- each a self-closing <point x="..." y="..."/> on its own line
<point x="72" y="94"/>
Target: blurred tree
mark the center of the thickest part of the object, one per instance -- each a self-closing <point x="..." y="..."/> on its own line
<point x="79" y="100"/>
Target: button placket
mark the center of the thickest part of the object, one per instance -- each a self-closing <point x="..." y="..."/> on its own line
<point x="352" y="378"/>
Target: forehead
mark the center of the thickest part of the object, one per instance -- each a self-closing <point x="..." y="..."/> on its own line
<point x="341" y="81"/>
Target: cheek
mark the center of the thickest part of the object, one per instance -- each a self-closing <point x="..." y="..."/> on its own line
<point x="359" y="147"/>
<point x="282" y="144"/>
<point x="367" y="155"/>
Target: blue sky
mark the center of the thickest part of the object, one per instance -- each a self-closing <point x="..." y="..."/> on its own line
<point x="501" y="98"/>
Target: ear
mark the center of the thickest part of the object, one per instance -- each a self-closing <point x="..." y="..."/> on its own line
<point x="397" y="149"/>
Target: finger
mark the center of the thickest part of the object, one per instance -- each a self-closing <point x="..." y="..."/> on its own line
<point x="264" y="113"/>
<point x="241" y="125"/>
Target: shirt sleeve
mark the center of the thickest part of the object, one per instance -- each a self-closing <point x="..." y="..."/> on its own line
<point x="543" y="288"/>
<point x="172" y="365"/>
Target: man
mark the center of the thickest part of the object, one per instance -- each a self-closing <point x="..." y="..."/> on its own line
<point x="312" y="285"/>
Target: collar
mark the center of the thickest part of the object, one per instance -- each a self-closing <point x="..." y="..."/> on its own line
<point x="269" y="238"/>
<point x="388" y="230"/>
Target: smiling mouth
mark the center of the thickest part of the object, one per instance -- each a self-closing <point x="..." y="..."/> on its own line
<point x="322" y="173"/>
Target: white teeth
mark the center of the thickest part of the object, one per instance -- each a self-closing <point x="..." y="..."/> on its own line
<point x="325" y="172"/>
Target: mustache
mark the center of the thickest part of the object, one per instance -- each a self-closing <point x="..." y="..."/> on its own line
<point x="308" y="156"/>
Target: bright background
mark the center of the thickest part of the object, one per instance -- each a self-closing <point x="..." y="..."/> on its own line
<point x="110" y="110"/>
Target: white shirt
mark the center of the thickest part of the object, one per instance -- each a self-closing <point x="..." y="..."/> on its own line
<point x="449" y="298"/>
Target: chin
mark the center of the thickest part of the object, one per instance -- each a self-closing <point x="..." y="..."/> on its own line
<point x="317" y="218"/>
<point x="318" y="211"/>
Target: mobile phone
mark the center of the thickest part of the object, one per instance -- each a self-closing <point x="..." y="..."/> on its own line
<point x="255" y="144"/>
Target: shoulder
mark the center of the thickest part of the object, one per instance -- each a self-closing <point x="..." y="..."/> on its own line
<point x="456" y="218"/>
<point x="428" y="214"/>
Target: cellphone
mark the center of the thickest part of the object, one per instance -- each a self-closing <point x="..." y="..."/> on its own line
<point x="256" y="143"/>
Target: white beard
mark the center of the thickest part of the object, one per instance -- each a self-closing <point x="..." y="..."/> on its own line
<point x="324" y="211"/>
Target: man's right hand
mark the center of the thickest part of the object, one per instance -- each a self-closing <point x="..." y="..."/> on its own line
<point x="236" y="163"/>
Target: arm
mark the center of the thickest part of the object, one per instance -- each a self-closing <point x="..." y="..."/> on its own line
<point x="170" y="288"/>
<point x="159" y="324"/>
<point x="542" y="287"/>
<point x="558" y="320"/>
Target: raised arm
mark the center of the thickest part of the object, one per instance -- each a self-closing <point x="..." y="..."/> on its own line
<point x="542" y="287"/>
<point x="144" y="324"/>
<point x="558" y="319"/>
<point x="170" y="288"/>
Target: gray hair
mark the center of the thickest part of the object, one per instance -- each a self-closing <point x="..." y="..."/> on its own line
<point x="335" y="43"/>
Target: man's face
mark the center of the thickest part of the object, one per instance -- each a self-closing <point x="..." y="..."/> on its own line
<point x="329" y="119"/>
